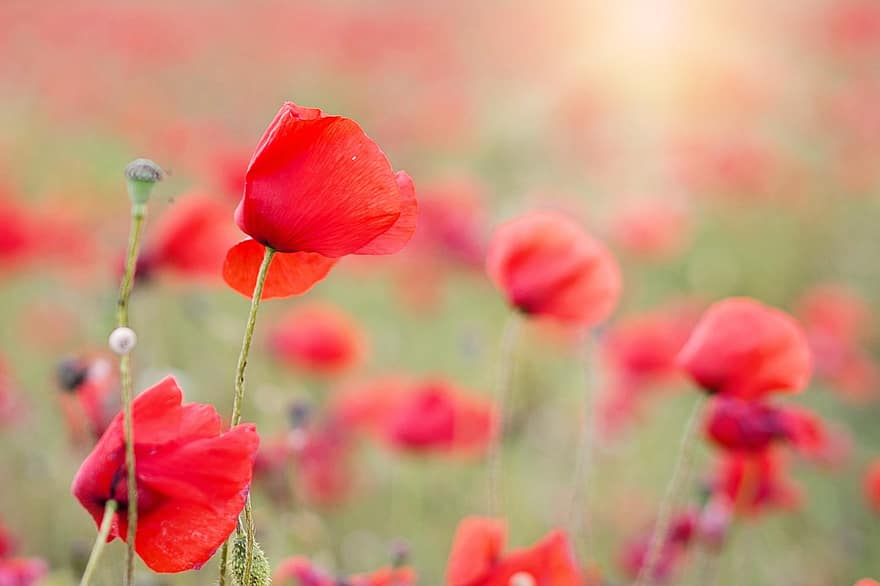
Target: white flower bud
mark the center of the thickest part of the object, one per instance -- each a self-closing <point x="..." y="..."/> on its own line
<point x="122" y="340"/>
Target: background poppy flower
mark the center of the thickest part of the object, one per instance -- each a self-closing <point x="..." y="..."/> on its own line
<point x="872" y="485"/>
<point x="192" y="478"/>
<point x="316" y="184"/>
<point x="318" y="338"/>
<point x="743" y="348"/>
<point x="477" y="557"/>
<point x="189" y="240"/>
<point x="546" y="265"/>
<point x="755" y="483"/>
<point x="299" y="571"/>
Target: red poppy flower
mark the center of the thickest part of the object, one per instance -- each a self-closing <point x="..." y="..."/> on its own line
<point x="477" y="557"/>
<point x="431" y="416"/>
<point x="745" y="349"/>
<point x="867" y="582"/>
<point x="682" y="529"/>
<point x="316" y="189"/>
<point x="323" y="474"/>
<point x="755" y="483"/>
<point x="189" y="240"/>
<point x="547" y="265"/>
<point x="22" y="571"/>
<point x="746" y="426"/>
<point x="651" y="229"/>
<point x="299" y="571"/>
<point x="872" y="485"/>
<point x="317" y="338"/>
<point x="90" y="397"/>
<point x="192" y="479"/>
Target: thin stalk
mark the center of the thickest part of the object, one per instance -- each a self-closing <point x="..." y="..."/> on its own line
<point x="137" y="223"/>
<point x="504" y="376"/>
<point x="236" y="409"/>
<point x="100" y="542"/>
<point x="578" y="507"/>
<point x="682" y="462"/>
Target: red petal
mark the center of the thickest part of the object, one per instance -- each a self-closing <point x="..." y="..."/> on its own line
<point x="476" y="548"/>
<point x="291" y="273"/>
<point x="317" y="184"/>
<point x="403" y="229"/>
<point x="205" y="484"/>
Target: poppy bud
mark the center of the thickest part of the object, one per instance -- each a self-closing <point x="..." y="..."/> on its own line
<point x="70" y="374"/>
<point x="141" y="175"/>
<point x="122" y="340"/>
<point x="260" y="573"/>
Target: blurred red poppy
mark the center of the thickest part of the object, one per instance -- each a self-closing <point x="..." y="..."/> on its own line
<point x="299" y="571"/>
<point x="547" y="266"/>
<point x="681" y="532"/>
<point x="872" y="485"/>
<point x="745" y="426"/>
<point x="189" y="240"/>
<point x="478" y="559"/>
<point x="651" y="229"/>
<point x="192" y="478"/>
<point x="90" y="398"/>
<point x="22" y="571"/>
<point x="318" y="339"/>
<point x="316" y="186"/>
<point x="755" y="483"/>
<point x="745" y="349"/>
<point x="429" y="416"/>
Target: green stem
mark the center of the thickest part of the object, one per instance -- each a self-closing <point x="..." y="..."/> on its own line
<point x="236" y="410"/>
<point x="137" y="223"/>
<point x="577" y="515"/>
<point x="679" y="469"/>
<point x="100" y="542"/>
<point x="505" y="374"/>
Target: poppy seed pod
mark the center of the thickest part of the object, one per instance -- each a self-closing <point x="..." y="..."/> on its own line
<point x="141" y="175"/>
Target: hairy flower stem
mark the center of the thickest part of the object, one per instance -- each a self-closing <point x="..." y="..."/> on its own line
<point x="578" y="506"/>
<point x="236" y="411"/>
<point x="503" y="381"/>
<point x="100" y="542"/>
<point x="137" y="223"/>
<point x="679" y="469"/>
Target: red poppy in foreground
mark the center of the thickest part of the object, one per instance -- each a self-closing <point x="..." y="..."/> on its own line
<point x="316" y="189"/>
<point x="547" y="266"/>
<point x="745" y="349"/>
<point x="477" y="558"/>
<point x="192" y="478"/>
<point x="318" y="338"/>
<point x="430" y="416"/>
<point x="299" y="571"/>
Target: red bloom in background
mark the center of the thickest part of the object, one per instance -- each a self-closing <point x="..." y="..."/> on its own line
<point x="547" y="265"/>
<point x="745" y="349"/>
<point x="650" y="229"/>
<point x="742" y="426"/>
<point x="679" y="536"/>
<point x="17" y="571"/>
<point x="755" y="483"/>
<point x="90" y="398"/>
<point x="192" y="478"/>
<point x="872" y="485"/>
<point x="299" y="571"/>
<point x="837" y="322"/>
<point x="478" y="559"/>
<point x="867" y="582"/>
<point x="427" y="416"/>
<point x="319" y="339"/>
<point x="316" y="189"/>
<point x="22" y="571"/>
<point x="323" y="474"/>
<point x="189" y="240"/>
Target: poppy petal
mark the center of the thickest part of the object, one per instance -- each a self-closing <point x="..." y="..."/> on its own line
<point x="403" y="229"/>
<point x="290" y="274"/>
<point x="475" y="549"/>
